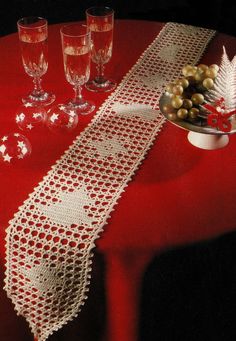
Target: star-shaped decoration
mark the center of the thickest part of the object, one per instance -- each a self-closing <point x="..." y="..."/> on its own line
<point x="169" y="53"/>
<point x="20" y="117"/>
<point x="16" y="135"/>
<point x="71" y="120"/>
<point x="42" y="276"/>
<point x="20" y="156"/>
<point x="2" y="148"/>
<point x="21" y="144"/>
<point x="70" y="209"/>
<point x="72" y="113"/>
<point x="143" y="111"/>
<point x="30" y="126"/>
<point x="188" y="30"/>
<point x="109" y="147"/>
<point x="28" y="105"/>
<point x="4" y="138"/>
<point x="153" y="81"/>
<point x="36" y="115"/>
<point x="54" y="117"/>
<point x="24" y="150"/>
<point x="62" y="107"/>
<point x="7" y="158"/>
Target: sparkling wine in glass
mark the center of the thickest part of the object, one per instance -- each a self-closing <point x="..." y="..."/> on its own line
<point x="100" y="20"/>
<point x="33" y="37"/>
<point x="76" y="49"/>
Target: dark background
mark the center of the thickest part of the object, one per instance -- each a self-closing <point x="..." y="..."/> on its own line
<point x="218" y="14"/>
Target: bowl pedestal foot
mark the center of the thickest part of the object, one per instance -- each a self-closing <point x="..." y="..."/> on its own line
<point x="208" y="141"/>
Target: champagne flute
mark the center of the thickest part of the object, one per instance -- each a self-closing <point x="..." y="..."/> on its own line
<point x="76" y="48"/>
<point x="101" y="22"/>
<point x="33" y="34"/>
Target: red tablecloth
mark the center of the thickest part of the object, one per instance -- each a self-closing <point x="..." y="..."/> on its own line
<point x="181" y="194"/>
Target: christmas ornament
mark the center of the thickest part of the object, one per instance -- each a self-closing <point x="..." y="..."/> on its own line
<point x="59" y="120"/>
<point x="14" y="147"/>
<point x="29" y="116"/>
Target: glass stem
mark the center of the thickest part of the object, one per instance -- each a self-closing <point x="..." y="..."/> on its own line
<point x="100" y="73"/>
<point x="78" y="98"/>
<point x="38" y="90"/>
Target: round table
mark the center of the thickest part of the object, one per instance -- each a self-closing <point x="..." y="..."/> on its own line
<point x="181" y="194"/>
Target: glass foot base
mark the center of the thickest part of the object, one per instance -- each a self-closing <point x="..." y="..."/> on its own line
<point x="84" y="108"/>
<point x="106" y="86"/>
<point x="44" y="99"/>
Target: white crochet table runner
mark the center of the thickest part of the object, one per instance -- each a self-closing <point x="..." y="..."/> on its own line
<point x="51" y="237"/>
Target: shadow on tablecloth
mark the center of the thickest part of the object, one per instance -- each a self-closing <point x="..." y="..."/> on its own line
<point x="190" y="293"/>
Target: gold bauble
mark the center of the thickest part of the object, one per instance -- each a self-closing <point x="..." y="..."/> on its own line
<point x="176" y="102"/>
<point x="182" y="113"/>
<point x="197" y="98"/>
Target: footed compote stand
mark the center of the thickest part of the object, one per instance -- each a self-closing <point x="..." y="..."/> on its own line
<point x="208" y="141"/>
<point x="200" y="134"/>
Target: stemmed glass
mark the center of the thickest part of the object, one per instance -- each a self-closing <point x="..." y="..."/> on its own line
<point x="76" y="48"/>
<point x="101" y="22"/>
<point x="33" y="34"/>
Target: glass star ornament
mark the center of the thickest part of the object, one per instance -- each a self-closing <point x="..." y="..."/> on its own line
<point x="29" y="116"/>
<point x="59" y="119"/>
<point x="14" y="147"/>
